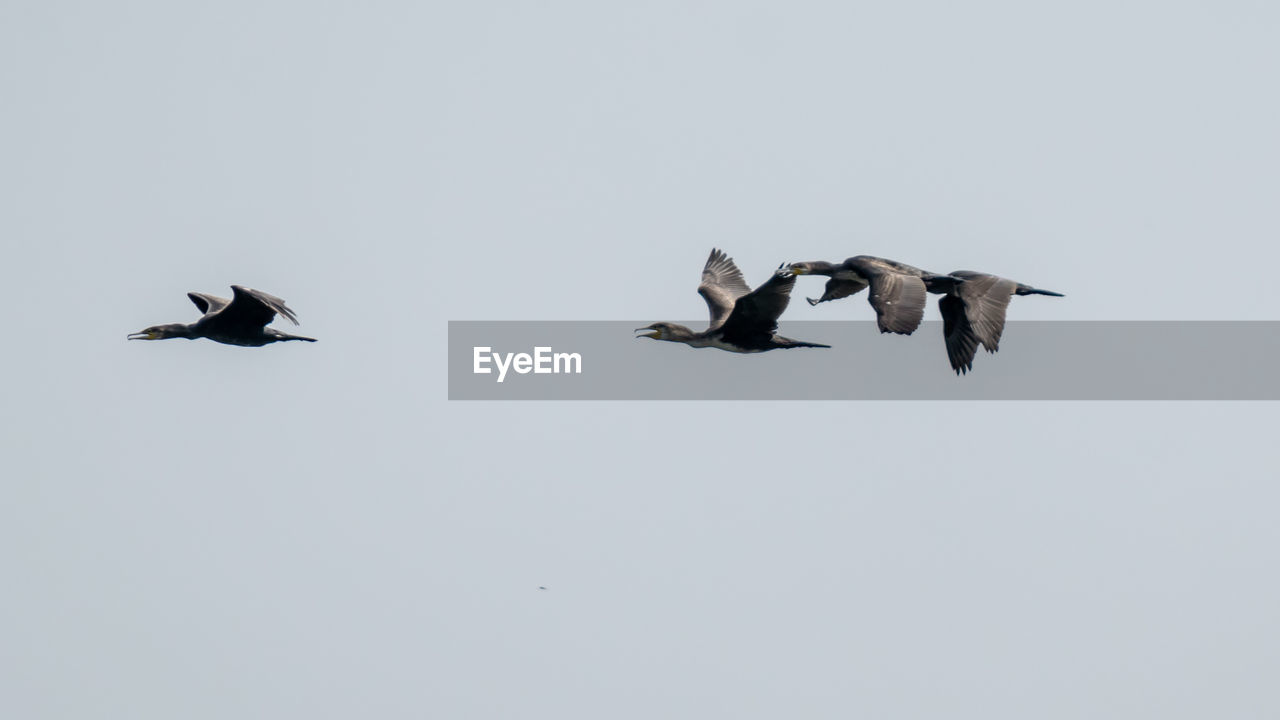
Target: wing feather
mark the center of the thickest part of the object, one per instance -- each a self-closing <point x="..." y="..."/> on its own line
<point x="755" y="315"/>
<point x="208" y="303"/>
<point x="838" y="288"/>
<point x="986" y="301"/>
<point x="958" y="335"/>
<point x="722" y="284"/>
<point x="899" y="302"/>
<point x="249" y="311"/>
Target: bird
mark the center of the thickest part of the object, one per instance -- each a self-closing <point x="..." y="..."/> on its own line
<point x="973" y="304"/>
<point x="242" y="320"/>
<point x="742" y="320"/>
<point x="897" y="289"/>
<point x="973" y="312"/>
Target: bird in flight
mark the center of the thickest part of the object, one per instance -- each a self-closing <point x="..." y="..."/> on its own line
<point x="897" y="289"/>
<point x="973" y="313"/>
<point x="973" y="304"/>
<point x="242" y="320"/>
<point x="742" y="320"/>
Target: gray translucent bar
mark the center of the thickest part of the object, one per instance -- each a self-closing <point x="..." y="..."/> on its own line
<point x="1137" y="360"/>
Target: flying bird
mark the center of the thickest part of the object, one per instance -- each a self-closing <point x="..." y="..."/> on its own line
<point x="973" y="304"/>
<point x="242" y="320"/>
<point x="897" y="289"/>
<point x="973" y="313"/>
<point x="742" y="320"/>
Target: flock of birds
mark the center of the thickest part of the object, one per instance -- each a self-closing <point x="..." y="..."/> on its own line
<point x="743" y="320"/>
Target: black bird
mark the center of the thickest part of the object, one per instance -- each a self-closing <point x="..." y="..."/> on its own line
<point x="973" y="312"/>
<point x="742" y="320"/>
<point x="242" y="320"/>
<point x="897" y="289"/>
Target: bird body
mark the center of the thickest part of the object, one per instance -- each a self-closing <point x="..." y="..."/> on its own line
<point x="241" y="320"/>
<point x="742" y="320"/>
<point x="973" y="314"/>
<point x="897" y="289"/>
<point x="268" y="336"/>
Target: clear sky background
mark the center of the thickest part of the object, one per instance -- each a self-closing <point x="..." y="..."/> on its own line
<point x="202" y="531"/>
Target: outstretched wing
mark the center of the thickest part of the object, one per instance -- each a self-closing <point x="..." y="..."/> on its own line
<point x="721" y="286"/>
<point x="961" y="343"/>
<point x="756" y="313"/>
<point x="207" y="303"/>
<point x="899" y="301"/>
<point x="986" y="300"/>
<point x="838" y="288"/>
<point x="248" y="311"/>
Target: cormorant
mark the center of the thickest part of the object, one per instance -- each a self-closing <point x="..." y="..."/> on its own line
<point x="973" y="304"/>
<point x="242" y="320"/>
<point x="897" y="289"/>
<point x="742" y="320"/>
<point x="973" y="312"/>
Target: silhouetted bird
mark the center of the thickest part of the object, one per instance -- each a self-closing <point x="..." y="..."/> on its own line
<point x="242" y="320"/>
<point x="897" y="289"/>
<point x="973" y="313"/>
<point x="973" y="304"/>
<point x="742" y="320"/>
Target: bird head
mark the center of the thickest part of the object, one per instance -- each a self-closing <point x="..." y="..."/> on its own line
<point x="162" y="332"/>
<point x="657" y="331"/>
<point x="671" y="332"/>
<point x="810" y="268"/>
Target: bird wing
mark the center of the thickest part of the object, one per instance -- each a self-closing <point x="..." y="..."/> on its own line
<point x="208" y="303"/>
<point x="986" y="299"/>
<point x="961" y="343"/>
<point x="721" y="286"/>
<point x="899" y="301"/>
<point x="248" y="309"/>
<point x="757" y="312"/>
<point x="838" y="288"/>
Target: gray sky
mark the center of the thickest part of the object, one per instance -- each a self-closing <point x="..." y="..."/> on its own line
<point x="202" y="531"/>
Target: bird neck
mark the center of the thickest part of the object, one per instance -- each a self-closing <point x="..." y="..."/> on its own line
<point x="941" y="284"/>
<point x="681" y="334"/>
<point x="821" y="267"/>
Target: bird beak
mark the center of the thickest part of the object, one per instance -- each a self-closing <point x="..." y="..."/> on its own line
<point x="798" y="269"/>
<point x="653" y="333"/>
<point x="142" y="336"/>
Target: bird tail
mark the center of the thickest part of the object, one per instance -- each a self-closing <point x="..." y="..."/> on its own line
<point x="296" y="337"/>
<point x="1028" y="290"/>
<point x="789" y="343"/>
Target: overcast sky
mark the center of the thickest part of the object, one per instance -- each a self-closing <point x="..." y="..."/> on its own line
<point x="312" y="530"/>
